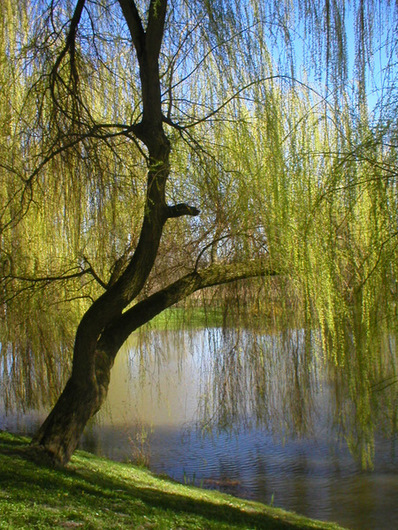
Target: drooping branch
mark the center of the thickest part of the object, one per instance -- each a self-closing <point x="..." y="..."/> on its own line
<point x="48" y="279"/>
<point x="236" y="95"/>
<point x="146" y="310"/>
<point x="27" y="284"/>
<point x="70" y="39"/>
<point x="72" y="87"/>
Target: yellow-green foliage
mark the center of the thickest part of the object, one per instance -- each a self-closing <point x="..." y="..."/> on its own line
<point x="326" y="197"/>
<point x="276" y="169"/>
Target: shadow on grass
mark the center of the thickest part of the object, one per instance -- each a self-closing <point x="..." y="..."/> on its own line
<point x="97" y="490"/>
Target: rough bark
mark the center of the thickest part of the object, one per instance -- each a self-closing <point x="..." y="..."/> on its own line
<point x="59" y="435"/>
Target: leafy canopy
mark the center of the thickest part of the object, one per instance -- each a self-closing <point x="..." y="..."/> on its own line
<point x="282" y="119"/>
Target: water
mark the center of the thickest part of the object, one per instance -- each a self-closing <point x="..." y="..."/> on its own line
<point x="293" y="458"/>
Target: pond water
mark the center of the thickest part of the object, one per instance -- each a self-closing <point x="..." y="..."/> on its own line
<point x="248" y="417"/>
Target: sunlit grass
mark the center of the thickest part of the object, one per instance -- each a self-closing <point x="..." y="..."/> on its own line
<point x="95" y="493"/>
<point x="191" y="317"/>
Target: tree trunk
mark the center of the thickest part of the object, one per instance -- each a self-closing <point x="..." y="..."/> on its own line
<point x="107" y="324"/>
<point x="80" y="400"/>
<point x="88" y="384"/>
<point x="60" y="433"/>
<point x="83" y="396"/>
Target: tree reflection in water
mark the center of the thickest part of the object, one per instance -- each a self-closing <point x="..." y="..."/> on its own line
<point x="249" y="412"/>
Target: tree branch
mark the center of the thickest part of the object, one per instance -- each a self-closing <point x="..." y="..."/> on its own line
<point x="155" y="28"/>
<point x="178" y="210"/>
<point x="236" y="94"/>
<point x="94" y="274"/>
<point x="134" y="23"/>
<point x="70" y="39"/>
<point x="49" y="279"/>
<point x="147" y="309"/>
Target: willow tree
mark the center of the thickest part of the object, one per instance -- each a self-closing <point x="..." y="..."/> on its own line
<point x="130" y="117"/>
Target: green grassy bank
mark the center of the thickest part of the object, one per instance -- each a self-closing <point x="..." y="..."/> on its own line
<point x="96" y="493"/>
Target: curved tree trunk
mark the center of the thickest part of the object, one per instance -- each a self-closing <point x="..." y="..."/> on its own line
<point x="106" y="325"/>
<point x="83" y="396"/>
<point x="88" y="384"/>
<point x="81" y="399"/>
<point x="60" y="433"/>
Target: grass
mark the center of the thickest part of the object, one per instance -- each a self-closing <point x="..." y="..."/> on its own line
<point x="95" y="493"/>
<point x="192" y="317"/>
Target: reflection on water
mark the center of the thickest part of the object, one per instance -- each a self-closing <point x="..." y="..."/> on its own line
<point x="173" y="394"/>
